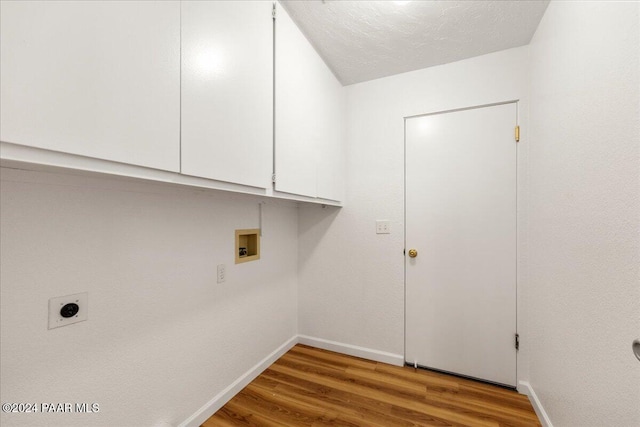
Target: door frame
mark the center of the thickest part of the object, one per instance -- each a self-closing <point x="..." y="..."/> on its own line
<point x="517" y="183"/>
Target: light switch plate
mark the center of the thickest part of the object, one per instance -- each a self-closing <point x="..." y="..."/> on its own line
<point x="56" y="320"/>
<point x="383" y="227"/>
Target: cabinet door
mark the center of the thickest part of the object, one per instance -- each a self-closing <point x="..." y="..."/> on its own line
<point x="309" y="117"/>
<point x="94" y="78"/>
<point x="227" y="91"/>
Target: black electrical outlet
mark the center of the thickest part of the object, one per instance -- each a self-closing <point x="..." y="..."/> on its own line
<point x="69" y="310"/>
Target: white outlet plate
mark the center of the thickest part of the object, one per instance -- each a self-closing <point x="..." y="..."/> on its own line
<point x="55" y="304"/>
<point x="383" y="227"/>
<point x="222" y="273"/>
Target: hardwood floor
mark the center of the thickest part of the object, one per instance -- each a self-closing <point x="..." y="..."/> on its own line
<point x="313" y="387"/>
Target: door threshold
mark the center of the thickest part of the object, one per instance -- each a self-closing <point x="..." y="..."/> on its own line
<point x="466" y="377"/>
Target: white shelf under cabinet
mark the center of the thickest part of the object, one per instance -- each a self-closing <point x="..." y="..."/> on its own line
<point x="37" y="159"/>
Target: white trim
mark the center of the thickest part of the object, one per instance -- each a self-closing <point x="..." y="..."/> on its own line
<point x="353" y="350"/>
<point x="202" y="414"/>
<point x="525" y="388"/>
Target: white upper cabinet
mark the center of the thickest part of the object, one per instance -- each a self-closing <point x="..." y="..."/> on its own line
<point x="227" y="91"/>
<point x="175" y="91"/>
<point x="310" y="110"/>
<point x="93" y="78"/>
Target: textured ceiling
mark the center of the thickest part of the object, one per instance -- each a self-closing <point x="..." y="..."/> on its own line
<point x="365" y="40"/>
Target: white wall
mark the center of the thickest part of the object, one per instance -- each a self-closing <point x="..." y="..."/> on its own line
<point x="162" y="337"/>
<point x="584" y="210"/>
<point x="352" y="280"/>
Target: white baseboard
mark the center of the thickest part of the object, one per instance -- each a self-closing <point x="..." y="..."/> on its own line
<point x="353" y="350"/>
<point x="225" y="395"/>
<point x="525" y="388"/>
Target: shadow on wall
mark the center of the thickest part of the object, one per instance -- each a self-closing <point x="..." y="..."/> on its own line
<point x="313" y="223"/>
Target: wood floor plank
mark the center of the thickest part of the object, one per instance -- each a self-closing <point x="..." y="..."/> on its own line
<point x="346" y="399"/>
<point x="375" y="376"/>
<point x="383" y="392"/>
<point x="432" y="380"/>
<point x="349" y="411"/>
<point x="313" y="387"/>
<point x="361" y="383"/>
<point x="335" y="358"/>
<point x="234" y="415"/>
<point x="346" y="415"/>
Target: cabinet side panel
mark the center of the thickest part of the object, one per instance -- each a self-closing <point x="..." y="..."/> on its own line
<point x="331" y="155"/>
<point x="298" y="118"/>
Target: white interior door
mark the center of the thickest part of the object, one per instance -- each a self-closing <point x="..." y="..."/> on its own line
<point x="461" y="220"/>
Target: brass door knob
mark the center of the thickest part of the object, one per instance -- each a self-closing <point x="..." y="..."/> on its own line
<point x="413" y="253"/>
